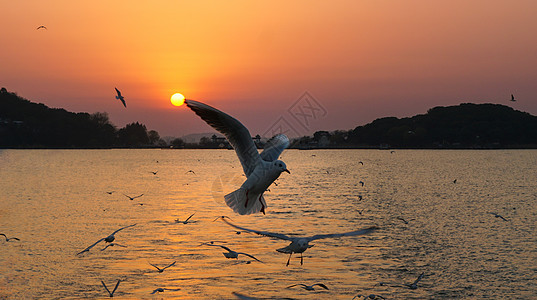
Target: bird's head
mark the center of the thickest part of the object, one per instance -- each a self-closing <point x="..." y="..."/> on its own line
<point x="280" y="165"/>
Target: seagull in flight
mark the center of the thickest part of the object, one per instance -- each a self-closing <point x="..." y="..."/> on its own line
<point x="42" y="27"/>
<point x="300" y="244"/>
<point x="185" y="221"/>
<point x="513" y="98"/>
<point x="161" y="290"/>
<point x="498" y="216"/>
<point x="230" y="253"/>
<point x="9" y="239"/>
<point x="108" y="239"/>
<point x="115" y="288"/>
<point x="110" y="193"/>
<point x="309" y="287"/>
<point x="132" y="198"/>
<point x="260" y="169"/>
<point x="121" y="98"/>
<point x="162" y="270"/>
<point x="414" y="285"/>
<point x="190" y="171"/>
<point x="154" y="173"/>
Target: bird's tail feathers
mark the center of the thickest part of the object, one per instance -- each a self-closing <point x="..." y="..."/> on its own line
<point x="245" y="204"/>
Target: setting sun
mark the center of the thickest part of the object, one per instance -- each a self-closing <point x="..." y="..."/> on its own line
<point x="178" y="99"/>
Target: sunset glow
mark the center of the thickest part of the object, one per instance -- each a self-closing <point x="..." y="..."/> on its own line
<point x="361" y="60"/>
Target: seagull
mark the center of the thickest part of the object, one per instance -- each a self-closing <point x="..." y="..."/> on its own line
<point x="372" y="297"/>
<point x="121" y="98"/>
<point x="107" y="239"/>
<point x="498" y="216"/>
<point x="185" y="221"/>
<point x="190" y="171"/>
<point x="260" y="169"/>
<point x="414" y="285"/>
<point x="513" y="98"/>
<point x="9" y="239"/>
<point x="455" y="181"/>
<point x="111" y="245"/>
<point x="162" y="270"/>
<point x="405" y="221"/>
<point x="161" y="290"/>
<point x="361" y="162"/>
<point x="300" y="244"/>
<point x="360" y="197"/>
<point x="154" y="173"/>
<point x="232" y="254"/>
<point x="309" y="287"/>
<point x="132" y="198"/>
<point x="111" y="293"/>
<point x="110" y="193"/>
<point x="42" y="27"/>
<point x="361" y="182"/>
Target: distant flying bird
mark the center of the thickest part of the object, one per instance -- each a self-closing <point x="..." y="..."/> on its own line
<point x="154" y="173"/>
<point x="185" y="221"/>
<point x="132" y="198"/>
<point x="232" y="254"/>
<point x="107" y="239"/>
<point x="300" y="244"/>
<point x="9" y="239"/>
<point x="161" y="290"/>
<point x="190" y="171"/>
<point x="309" y="287"/>
<point x="513" y="98"/>
<point x="360" y="197"/>
<point x="498" y="216"/>
<point x="361" y="162"/>
<point x="405" y="221"/>
<point x="414" y="285"/>
<point x="110" y="193"/>
<point x="115" y="288"/>
<point x="260" y="169"/>
<point x="160" y="270"/>
<point x="361" y="182"/>
<point x="121" y="98"/>
<point x="41" y="27"/>
<point x="392" y="152"/>
<point x="111" y="245"/>
<point x="370" y="297"/>
<point x="455" y="181"/>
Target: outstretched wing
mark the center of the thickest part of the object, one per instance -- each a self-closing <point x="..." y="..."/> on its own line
<point x="155" y="266"/>
<point x="321" y="285"/>
<point x="190" y="217"/>
<point x="106" y="288"/>
<point x="122" y="229"/>
<point x="336" y="235"/>
<point x="237" y="135"/>
<point x="265" y="233"/>
<point x="173" y="263"/>
<point x="118" y="92"/>
<point x="274" y="147"/>
<point x="117" y="284"/>
<point x="88" y="249"/>
<point x="251" y="256"/>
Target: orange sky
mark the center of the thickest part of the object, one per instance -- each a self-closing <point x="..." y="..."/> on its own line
<point x="361" y="60"/>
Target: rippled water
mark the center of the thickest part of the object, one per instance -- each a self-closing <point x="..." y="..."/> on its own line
<point x="55" y="201"/>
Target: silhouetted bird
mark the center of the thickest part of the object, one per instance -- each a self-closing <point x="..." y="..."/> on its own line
<point x="9" y="239"/>
<point x="107" y="239"/>
<point x="42" y="27"/>
<point x="414" y="285"/>
<point x="498" y="216"/>
<point x="115" y="288"/>
<point x="309" y="287"/>
<point x="185" y="221"/>
<point x="161" y="290"/>
<point x="121" y="98"/>
<point x="232" y="254"/>
<point x="132" y="198"/>
<point x="162" y="270"/>
<point x="513" y="98"/>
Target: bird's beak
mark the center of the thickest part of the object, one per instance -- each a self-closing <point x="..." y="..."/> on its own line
<point x="287" y="171"/>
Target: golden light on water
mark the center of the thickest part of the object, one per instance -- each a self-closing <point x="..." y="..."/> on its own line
<point x="178" y="99"/>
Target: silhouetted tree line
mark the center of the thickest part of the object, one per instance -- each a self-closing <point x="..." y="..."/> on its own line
<point x="464" y="126"/>
<point x="24" y="124"/>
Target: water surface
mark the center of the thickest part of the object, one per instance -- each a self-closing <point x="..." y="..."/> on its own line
<point x="55" y="201"/>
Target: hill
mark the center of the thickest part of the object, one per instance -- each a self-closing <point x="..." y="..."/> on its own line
<point x="464" y="126"/>
<point x="24" y="124"/>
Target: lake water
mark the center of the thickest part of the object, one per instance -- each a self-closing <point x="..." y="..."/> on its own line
<point x="55" y="201"/>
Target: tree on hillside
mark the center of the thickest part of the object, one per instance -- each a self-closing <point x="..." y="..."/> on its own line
<point x="133" y="135"/>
